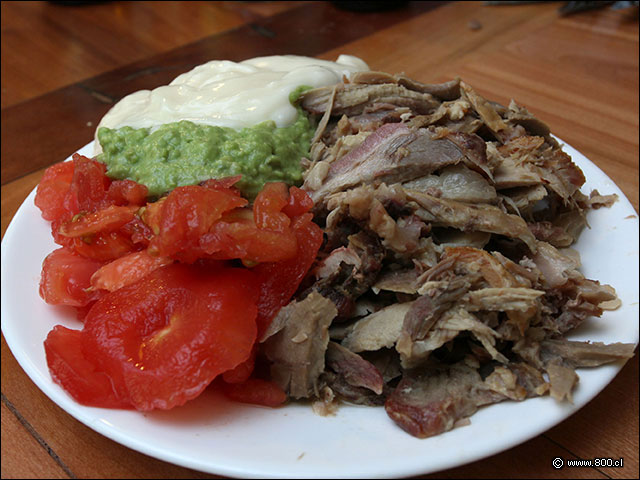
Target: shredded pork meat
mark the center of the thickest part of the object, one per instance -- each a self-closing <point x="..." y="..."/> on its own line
<point x="444" y="282"/>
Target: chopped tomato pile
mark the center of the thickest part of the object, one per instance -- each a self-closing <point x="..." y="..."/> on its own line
<point x="173" y="293"/>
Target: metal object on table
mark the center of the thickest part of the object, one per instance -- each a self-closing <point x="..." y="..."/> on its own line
<point x="570" y="8"/>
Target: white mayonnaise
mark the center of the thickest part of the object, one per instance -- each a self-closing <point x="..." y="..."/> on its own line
<point x="231" y="94"/>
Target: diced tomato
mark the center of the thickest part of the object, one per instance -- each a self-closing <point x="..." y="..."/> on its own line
<point x="280" y="280"/>
<point x="78" y="375"/>
<point x="243" y="371"/>
<point x="151" y="215"/>
<point x="164" y="338"/>
<point x="299" y="203"/>
<point x="187" y="214"/>
<point x="255" y="391"/>
<point x="104" y="246"/>
<point x="55" y="232"/>
<point x="138" y="231"/>
<point x="126" y="270"/>
<point x="81" y="312"/>
<point x="225" y="183"/>
<point x="108" y="219"/>
<point x="52" y="192"/>
<point x="66" y="278"/>
<point x="245" y="241"/>
<point x="127" y="192"/>
<point x="157" y="331"/>
<point x="90" y="183"/>
<point x="268" y="238"/>
<point x="268" y="205"/>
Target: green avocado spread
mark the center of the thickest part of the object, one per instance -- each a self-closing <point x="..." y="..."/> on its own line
<point x="185" y="153"/>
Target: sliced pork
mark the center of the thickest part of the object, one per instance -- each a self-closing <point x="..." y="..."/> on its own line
<point x="445" y="281"/>
<point x="296" y="343"/>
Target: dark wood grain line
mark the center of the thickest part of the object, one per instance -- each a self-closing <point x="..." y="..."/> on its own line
<point x="36" y="436"/>
<point x="66" y="117"/>
<point x="309" y="30"/>
<point x="64" y="120"/>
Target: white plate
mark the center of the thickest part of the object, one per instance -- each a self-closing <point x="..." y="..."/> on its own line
<point x="216" y="436"/>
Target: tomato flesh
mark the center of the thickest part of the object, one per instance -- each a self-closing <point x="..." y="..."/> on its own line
<point x="52" y="192"/>
<point x="280" y="280"/>
<point x="127" y="192"/>
<point x="299" y="203"/>
<point x="243" y="371"/>
<point x="90" y="184"/>
<point x="108" y="219"/>
<point x="247" y="242"/>
<point x="268" y="205"/>
<point x="264" y="236"/>
<point x="127" y="270"/>
<point x="164" y="312"/>
<point x="104" y="246"/>
<point x="186" y="214"/>
<point x="78" y="375"/>
<point x="255" y="391"/>
<point x="164" y="338"/>
<point x="66" y="278"/>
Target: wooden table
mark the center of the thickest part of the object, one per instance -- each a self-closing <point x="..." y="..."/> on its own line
<point x="63" y="67"/>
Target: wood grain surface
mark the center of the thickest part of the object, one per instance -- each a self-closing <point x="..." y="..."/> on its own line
<point x="63" y="67"/>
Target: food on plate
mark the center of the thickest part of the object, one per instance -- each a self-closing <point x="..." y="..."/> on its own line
<point x="447" y="218"/>
<point x="166" y="302"/>
<point x="423" y="265"/>
<point x="219" y="119"/>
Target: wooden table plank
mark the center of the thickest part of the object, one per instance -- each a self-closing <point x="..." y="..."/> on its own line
<point x="82" y="451"/>
<point x="87" y="40"/>
<point x="14" y="194"/>
<point x="597" y="114"/>
<point x="18" y="444"/>
<point x="580" y="74"/>
<point x="76" y="108"/>
<point x="615" y="409"/>
<point x="529" y="460"/>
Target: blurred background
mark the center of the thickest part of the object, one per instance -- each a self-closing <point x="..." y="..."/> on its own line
<point x="78" y="40"/>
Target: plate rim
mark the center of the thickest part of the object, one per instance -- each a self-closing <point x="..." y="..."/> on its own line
<point x="79" y="414"/>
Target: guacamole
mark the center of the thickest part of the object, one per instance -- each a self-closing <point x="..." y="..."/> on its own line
<point x="185" y="153"/>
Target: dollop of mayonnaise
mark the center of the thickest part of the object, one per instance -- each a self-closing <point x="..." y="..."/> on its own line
<point x="231" y="94"/>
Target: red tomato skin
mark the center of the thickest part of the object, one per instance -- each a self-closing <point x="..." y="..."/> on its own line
<point x="66" y="278"/>
<point x="164" y="338"/>
<point x="139" y="232"/>
<point x="126" y="270"/>
<point x="280" y="280"/>
<point x="299" y="203"/>
<point x="57" y="236"/>
<point x="225" y="183"/>
<point x="243" y="371"/>
<point x="90" y="184"/>
<point x="269" y="237"/>
<point x="228" y="240"/>
<point x="74" y="372"/>
<point x="105" y="246"/>
<point x="255" y="391"/>
<point x="53" y="190"/>
<point x="268" y="205"/>
<point x="81" y="312"/>
<point x="127" y="192"/>
<point x="186" y="214"/>
<point x="108" y="219"/>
